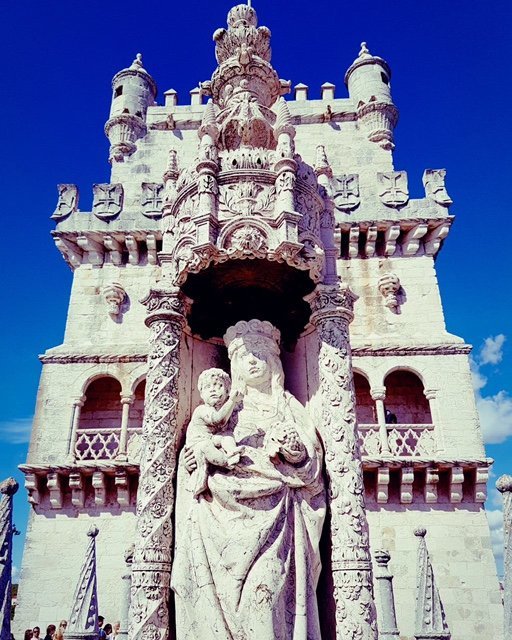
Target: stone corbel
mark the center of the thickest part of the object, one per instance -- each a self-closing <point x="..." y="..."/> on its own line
<point x="431" y="480"/>
<point x="115" y="249"/>
<point x="456" y="482"/>
<point x="390" y="237"/>
<point x="114" y="295"/>
<point x="371" y="239"/>
<point x="100" y="489"/>
<point x="54" y="484"/>
<point x="353" y="242"/>
<point x="76" y="484"/>
<point x="133" y="250"/>
<point x="482" y="475"/>
<point x="70" y="251"/>
<point x="122" y="489"/>
<point x="412" y="239"/>
<point x="94" y="250"/>
<point x="406" y="485"/>
<point x="32" y="487"/>
<point x="152" y="252"/>
<point x="434" y="238"/>
<point x="382" y="485"/>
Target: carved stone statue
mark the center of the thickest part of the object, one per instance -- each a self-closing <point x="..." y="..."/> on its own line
<point x="247" y="555"/>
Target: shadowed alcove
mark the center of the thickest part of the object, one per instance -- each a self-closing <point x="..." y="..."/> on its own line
<point x="237" y="290"/>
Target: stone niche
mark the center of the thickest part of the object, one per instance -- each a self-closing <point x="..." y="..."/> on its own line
<point x="245" y="289"/>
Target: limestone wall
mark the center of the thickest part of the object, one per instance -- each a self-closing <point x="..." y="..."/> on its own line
<point x="53" y="554"/>
<point x="464" y="568"/>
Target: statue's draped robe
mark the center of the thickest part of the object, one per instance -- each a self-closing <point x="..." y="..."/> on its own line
<point x="247" y="555"/>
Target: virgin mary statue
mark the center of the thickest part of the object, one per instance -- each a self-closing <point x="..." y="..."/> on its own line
<point x="247" y="556"/>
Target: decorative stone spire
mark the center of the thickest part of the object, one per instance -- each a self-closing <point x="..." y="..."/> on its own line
<point x="322" y="166"/>
<point x="430" y="619"/>
<point x="504" y="486"/>
<point x="7" y="490"/>
<point x="245" y="85"/>
<point x="364" y="52"/>
<point x="83" y="620"/>
<point x="384" y="583"/>
<point x="283" y="120"/>
<point x="208" y="124"/>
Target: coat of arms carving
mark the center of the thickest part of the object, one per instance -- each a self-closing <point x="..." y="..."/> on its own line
<point x="246" y="198"/>
<point x="435" y="187"/>
<point x="393" y="191"/>
<point x="107" y="200"/>
<point x="346" y="192"/>
<point x="67" y="202"/>
<point x="152" y="199"/>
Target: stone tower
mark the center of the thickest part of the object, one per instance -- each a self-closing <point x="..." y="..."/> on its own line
<point x="243" y="205"/>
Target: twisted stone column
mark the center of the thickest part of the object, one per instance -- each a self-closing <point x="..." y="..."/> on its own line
<point x="356" y="616"/>
<point x="151" y="569"/>
<point x="7" y="490"/>
<point x="504" y="485"/>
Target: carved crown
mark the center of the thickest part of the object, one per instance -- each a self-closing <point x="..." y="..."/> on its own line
<point x="255" y="329"/>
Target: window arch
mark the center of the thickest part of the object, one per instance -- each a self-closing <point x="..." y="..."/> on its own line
<point x="100" y="420"/>
<point x="365" y="406"/>
<point x="405" y="398"/>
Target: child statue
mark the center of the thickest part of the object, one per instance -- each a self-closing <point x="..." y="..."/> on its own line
<point x="207" y="421"/>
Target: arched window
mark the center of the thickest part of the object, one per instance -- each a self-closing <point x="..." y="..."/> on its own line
<point x="405" y="399"/>
<point x="99" y="428"/>
<point x="365" y="406"/>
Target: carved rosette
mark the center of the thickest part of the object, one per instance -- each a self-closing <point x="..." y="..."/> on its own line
<point x="151" y="571"/>
<point x="7" y="490"/>
<point x="356" y="616"/>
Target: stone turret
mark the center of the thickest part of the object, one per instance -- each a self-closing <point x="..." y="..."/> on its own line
<point x="368" y="83"/>
<point x="134" y="90"/>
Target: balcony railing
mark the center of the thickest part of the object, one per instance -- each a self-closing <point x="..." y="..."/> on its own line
<point x="104" y="444"/>
<point x="402" y="439"/>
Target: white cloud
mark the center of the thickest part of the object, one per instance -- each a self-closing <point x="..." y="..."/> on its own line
<point x="495" y="411"/>
<point x="495" y="416"/>
<point x="492" y="350"/>
<point x="495" y="519"/>
<point x="16" y="431"/>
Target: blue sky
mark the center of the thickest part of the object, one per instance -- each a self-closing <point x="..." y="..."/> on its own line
<point x="451" y="82"/>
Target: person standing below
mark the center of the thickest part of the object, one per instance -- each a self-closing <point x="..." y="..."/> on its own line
<point x="59" y="634"/>
<point x="50" y="632"/>
<point x="36" y="631"/>
<point x="101" y="635"/>
<point x="28" y="634"/>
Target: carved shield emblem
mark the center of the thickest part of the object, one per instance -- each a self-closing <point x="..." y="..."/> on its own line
<point x="435" y="188"/>
<point x="393" y="191"/>
<point x="107" y="200"/>
<point x="346" y="192"/>
<point x="152" y="199"/>
<point x="67" y="202"/>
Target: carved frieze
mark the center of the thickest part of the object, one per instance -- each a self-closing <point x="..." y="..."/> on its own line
<point x="152" y="199"/>
<point x="245" y="158"/>
<point x="107" y="200"/>
<point x="435" y="187"/>
<point x="67" y="202"/>
<point x="246" y="198"/>
<point x="393" y="189"/>
<point x="345" y="192"/>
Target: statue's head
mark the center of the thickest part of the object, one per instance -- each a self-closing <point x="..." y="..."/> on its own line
<point x="253" y="348"/>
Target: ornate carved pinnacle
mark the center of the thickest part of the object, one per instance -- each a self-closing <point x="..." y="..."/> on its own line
<point x="208" y="124"/>
<point x="283" y="120"/>
<point x="9" y="487"/>
<point x="322" y="166"/>
<point x="504" y="483"/>
<point x="83" y="619"/>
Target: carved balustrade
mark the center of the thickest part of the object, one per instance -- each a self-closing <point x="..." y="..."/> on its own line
<point x="105" y="443"/>
<point x="402" y="439"/>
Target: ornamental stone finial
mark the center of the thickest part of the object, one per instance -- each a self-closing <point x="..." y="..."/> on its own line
<point x="7" y="490"/>
<point x="364" y="52"/>
<point x="137" y="63"/>
<point x="430" y="618"/>
<point x="386" y="615"/>
<point x="83" y="620"/>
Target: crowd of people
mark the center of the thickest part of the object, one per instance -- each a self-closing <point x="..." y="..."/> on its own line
<point x="106" y="631"/>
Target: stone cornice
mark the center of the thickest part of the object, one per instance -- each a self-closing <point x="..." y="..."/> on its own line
<point x="412" y="350"/>
<point x="85" y="358"/>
